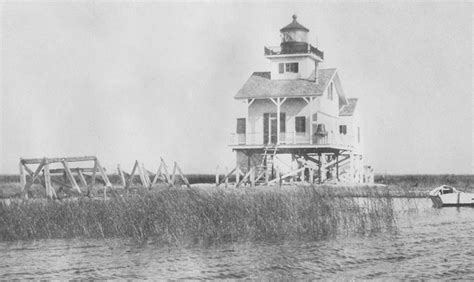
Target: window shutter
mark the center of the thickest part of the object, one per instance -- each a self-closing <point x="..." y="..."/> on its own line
<point x="281" y="67"/>
<point x="241" y="126"/>
<point x="300" y="124"/>
<point x="265" y="128"/>
<point x="282" y="122"/>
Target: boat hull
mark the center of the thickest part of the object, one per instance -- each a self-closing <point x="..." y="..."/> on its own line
<point x="459" y="199"/>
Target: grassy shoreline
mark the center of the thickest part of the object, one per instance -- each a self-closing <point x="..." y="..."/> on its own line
<point x="206" y="214"/>
<point x="411" y="186"/>
<point x="183" y="216"/>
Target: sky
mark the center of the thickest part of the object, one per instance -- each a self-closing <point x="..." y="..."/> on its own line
<point x="136" y="80"/>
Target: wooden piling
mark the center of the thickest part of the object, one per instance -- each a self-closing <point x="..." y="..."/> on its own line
<point x="237" y="175"/>
<point x="121" y="175"/>
<point x="252" y="177"/>
<point x="47" y="182"/>
<point x="22" y="176"/>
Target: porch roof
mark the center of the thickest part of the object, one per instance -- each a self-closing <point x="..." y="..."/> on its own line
<point x="348" y="110"/>
<point x="260" y="86"/>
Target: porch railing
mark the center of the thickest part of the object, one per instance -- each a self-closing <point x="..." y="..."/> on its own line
<point x="293" y="138"/>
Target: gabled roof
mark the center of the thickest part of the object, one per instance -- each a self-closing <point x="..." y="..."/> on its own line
<point x="294" y="25"/>
<point x="260" y="86"/>
<point x="348" y="110"/>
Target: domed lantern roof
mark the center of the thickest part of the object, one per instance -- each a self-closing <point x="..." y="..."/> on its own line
<point x="294" y="25"/>
<point x="294" y="32"/>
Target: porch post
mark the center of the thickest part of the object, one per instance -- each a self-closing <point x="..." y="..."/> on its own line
<point x="319" y="168"/>
<point x="310" y="125"/>
<point x="278" y="120"/>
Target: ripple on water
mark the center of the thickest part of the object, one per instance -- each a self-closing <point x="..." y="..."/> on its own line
<point x="429" y="244"/>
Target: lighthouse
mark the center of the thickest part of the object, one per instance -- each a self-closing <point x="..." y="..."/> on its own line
<point x="299" y="108"/>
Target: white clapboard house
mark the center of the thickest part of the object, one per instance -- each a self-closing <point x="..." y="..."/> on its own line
<point x="299" y="109"/>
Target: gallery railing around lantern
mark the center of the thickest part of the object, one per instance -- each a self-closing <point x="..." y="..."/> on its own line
<point x="304" y="48"/>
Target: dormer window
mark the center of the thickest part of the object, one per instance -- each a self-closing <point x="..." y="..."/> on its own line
<point x="288" y="67"/>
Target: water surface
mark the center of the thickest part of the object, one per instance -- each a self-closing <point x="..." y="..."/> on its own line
<point x="429" y="243"/>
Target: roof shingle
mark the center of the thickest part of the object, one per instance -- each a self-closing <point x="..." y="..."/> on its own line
<point x="294" y="25"/>
<point x="260" y="85"/>
<point x="348" y="110"/>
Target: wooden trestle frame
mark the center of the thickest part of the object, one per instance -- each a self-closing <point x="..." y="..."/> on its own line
<point x="311" y="168"/>
<point x="161" y="174"/>
<point x="44" y="173"/>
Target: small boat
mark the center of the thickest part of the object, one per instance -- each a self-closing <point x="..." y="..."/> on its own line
<point x="447" y="196"/>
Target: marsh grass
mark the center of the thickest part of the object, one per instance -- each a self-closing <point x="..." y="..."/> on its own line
<point x="203" y="216"/>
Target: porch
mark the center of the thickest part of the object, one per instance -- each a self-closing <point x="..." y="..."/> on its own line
<point x="293" y="140"/>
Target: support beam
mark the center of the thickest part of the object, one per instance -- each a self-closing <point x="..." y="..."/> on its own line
<point x="75" y="169"/>
<point x="173" y="176"/>
<point x="22" y="176"/>
<point x="158" y="174"/>
<point x="252" y="177"/>
<point x="121" y="175"/>
<point x="295" y="172"/>
<point x="33" y="177"/>
<point x="104" y="176"/>
<point x="319" y="169"/>
<point x="141" y="173"/>
<point x="245" y="177"/>
<point x="58" y="160"/>
<point x="165" y="170"/>
<point x="182" y="175"/>
<point x="238" y="172"/>
<point x="147" y="176"/>
<point x="132" y="174"/>
<point x="47" y="183"/>
<point x="92" y="183"/>
<point x="71" y="177"/>
<point x="82" y="179"/>
<point x="226" y="178"/>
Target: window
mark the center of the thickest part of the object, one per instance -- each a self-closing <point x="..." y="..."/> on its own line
<point x="291" y="67"/>
<point x="315" y="117"/>
<point x="330" y="91"/>
<point x="300" y="124"/>
<point x="241" y="126"/>
<point x="343" y="129"/>
<point x="281" y="67"/>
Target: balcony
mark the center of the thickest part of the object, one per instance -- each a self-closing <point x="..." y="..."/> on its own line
<point x="302" y="48"/>
<point x="289" y="139"/>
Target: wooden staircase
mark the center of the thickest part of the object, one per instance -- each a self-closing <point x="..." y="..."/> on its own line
<point x="266" y="165"/>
